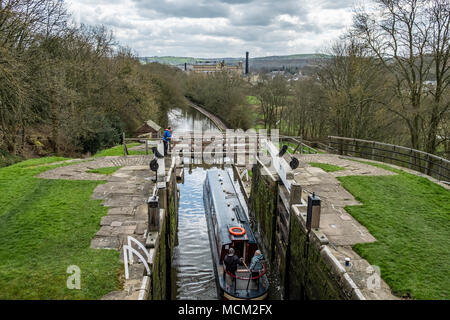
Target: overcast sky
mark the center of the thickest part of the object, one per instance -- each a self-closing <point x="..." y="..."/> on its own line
<point x="219" y="28"/>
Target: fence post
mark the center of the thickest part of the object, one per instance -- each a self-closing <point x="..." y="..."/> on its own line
<point x="146" y="147"/>
<point x="153" y="213"/>
<point x="428" y="165"/>
<point x="393" y="155"/>
<point x="354" y="147"/>
<point x="357" y="149"/>
<point x="296" y="194"/>
<point x="313" y="212"/>
<point x="125" y="151"/>
<point x="301" y="144"/>
<point x="373" y="150"/>
<point x="410" y="158"/>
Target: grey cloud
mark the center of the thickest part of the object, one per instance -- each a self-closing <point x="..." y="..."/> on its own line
<point x="263" y="13"/>
<point x="236" y="1"/>
<point x="214" y="28"/>
<point x="184" y="8"/>
<point x="338" y="4"/>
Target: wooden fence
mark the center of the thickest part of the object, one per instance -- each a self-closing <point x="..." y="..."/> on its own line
<point x="146" y="141"/>
<point x="417" y="160"/>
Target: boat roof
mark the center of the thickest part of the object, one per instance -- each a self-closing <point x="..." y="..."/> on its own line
<point x="229" y="210"/>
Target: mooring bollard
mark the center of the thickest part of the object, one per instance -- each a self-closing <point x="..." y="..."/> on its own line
<point x="153" y="213"/>
<point x="347" y="262"/>
<point x="296" y="194"/>
<point x="313" y="212"/>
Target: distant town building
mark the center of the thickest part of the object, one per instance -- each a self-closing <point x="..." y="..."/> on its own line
<point x="253" y="78"/>
<point x="217" y="66"/>
<point x="277" y="73"/>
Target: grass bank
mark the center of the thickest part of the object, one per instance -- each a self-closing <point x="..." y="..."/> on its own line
<point x="326" y="167"/>
<point x="118" y="151"/>
<point x="45" y="227"/>
<point x="410" y="218"/>
<point x="106" y="171"/>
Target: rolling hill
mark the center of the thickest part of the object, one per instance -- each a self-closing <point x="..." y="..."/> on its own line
<point x="265" y="64"/>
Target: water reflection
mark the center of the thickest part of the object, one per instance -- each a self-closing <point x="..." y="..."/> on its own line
<point x="192" y="260"/>
<point x="188" y="119"/>
<point x="192" y="257"/>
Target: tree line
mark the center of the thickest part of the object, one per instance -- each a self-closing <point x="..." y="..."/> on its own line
<point x="71" y="89"/>
<point x="386" y="79"/>
<point x="223" y="94"/>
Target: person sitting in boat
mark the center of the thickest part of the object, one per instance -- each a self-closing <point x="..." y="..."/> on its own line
<point x="256" y="265"/>
<point x="231" y="263"/>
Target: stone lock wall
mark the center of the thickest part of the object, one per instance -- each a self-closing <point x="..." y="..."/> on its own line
<point x="166" y="241"/>
<point x="309" y="276"/>
<point x="307" y="268"/>
<point x="159" y="271"/>
<point x="263" y="204"/>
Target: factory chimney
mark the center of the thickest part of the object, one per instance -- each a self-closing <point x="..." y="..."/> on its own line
<point x="246" y="62"/>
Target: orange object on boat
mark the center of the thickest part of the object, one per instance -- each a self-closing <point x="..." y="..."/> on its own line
<point x="241" y="231"/>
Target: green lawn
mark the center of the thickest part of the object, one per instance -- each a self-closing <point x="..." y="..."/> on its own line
<point x="118" y="151"/>
<point x="410" y="218"/>
<point x="253" y="100"/>
<point x="105" y="171"/>
<point x="326" y="167"/>
<point x="45" y="227"/>
<point x="7" y="159"/>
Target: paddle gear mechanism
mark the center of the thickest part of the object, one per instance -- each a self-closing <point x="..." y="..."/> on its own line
<point x="154" y="165"/>
<point x="294" y="163"/>
<point x="156" y="153"/>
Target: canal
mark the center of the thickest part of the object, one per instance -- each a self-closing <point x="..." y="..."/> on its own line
<point x="192" y="264"/>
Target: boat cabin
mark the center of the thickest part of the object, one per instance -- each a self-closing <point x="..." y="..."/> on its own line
<point x="231" y="226"/>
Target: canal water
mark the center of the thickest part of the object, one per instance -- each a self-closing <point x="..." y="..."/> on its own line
<point x="192" y="263"/>
<point x="189" y="119"/>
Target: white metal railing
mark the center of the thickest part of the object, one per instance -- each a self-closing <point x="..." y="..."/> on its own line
<point x="129" y="251"/>
<point x="279" y="164"/>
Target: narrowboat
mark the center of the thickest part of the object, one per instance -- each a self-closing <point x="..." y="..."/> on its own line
<point x="229" y="227"/>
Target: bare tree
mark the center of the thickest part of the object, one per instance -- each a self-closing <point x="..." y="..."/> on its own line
<point x="272" y="94"/>
<point x="354" y="86"/>
<point x="438" y="110"/>
<point x="408" y="38"/>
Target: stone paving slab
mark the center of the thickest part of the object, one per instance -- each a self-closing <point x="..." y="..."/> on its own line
<point x="110" y="242"/>
<point x="142" y="212"/>
<point x="363" y="275"/>
<point x="78" y="170"/>
<point x="129" y="211"/>
<point x="340" y="227"/>
<point x="352" y="168"/>
<point x="108" y="220"/>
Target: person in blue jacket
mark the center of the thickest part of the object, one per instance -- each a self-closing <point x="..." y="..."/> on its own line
<point x="166" y="139"/>
<point x="256" y="265"/>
